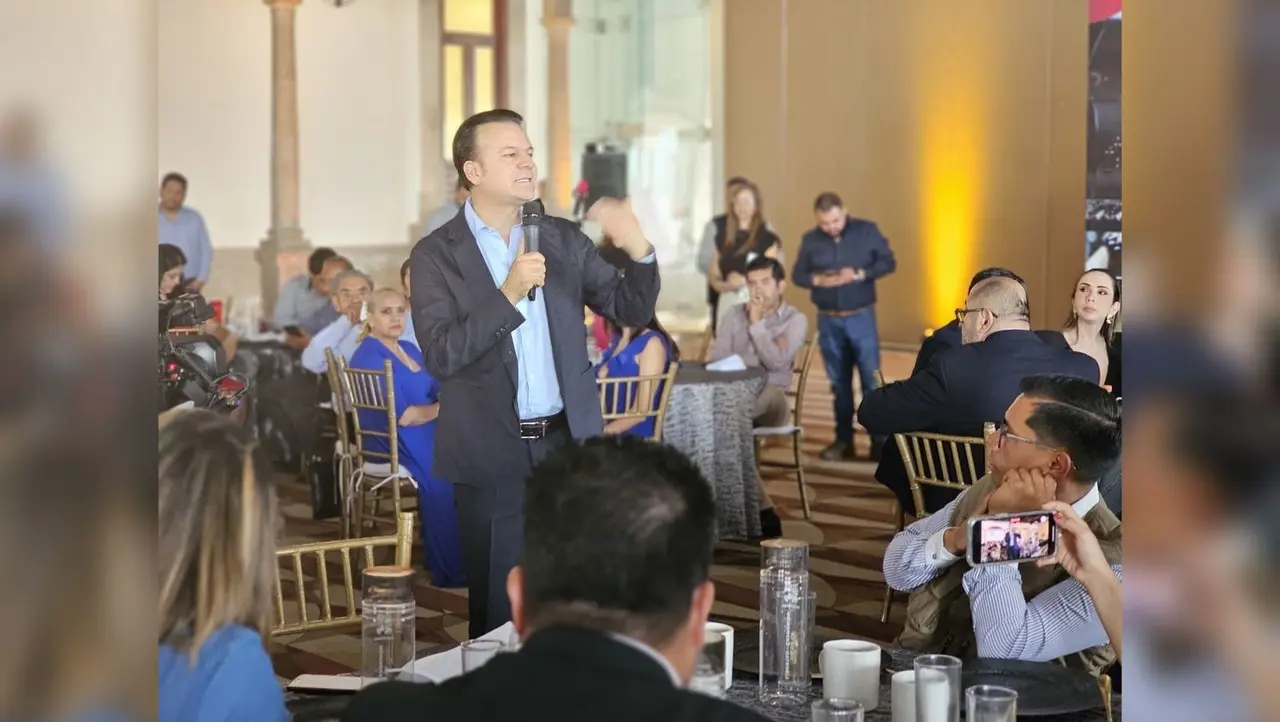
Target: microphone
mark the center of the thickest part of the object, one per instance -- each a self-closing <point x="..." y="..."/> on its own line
<point x="530" y="214"/>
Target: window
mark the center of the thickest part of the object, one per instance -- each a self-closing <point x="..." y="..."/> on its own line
<point x="474" y="60"/>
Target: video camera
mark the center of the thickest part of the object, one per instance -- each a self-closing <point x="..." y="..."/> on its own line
<point x="193" y="365"/>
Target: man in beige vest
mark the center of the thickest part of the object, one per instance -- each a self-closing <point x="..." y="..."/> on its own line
<point x="1057" y="438"/>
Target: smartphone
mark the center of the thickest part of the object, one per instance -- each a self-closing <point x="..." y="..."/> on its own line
<point x="293" y="330"/>
<point x="1012" y="538"/>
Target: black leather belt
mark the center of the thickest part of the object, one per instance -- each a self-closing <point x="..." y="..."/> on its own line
<point x="538" y="428"/>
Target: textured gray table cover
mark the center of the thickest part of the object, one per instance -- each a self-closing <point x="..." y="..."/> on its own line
<point x="709" y="419"/>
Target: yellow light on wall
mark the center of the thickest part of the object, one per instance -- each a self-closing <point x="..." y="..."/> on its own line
<point x="951" y="179"/>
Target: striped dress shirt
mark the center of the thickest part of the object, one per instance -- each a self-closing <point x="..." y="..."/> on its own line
<point x="1060" y="620"/>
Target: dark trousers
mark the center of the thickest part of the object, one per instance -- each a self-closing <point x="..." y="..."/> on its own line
<point x="846" y="342"/>
<point x="491" y="519"/>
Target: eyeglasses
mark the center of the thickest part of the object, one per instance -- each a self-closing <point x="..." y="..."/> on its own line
<point x="1003" y="432"/>
<point x="962" y="312"/>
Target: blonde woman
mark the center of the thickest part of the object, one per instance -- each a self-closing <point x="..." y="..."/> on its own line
<point x="218" y="524"/>
<point x="416" y="411"/>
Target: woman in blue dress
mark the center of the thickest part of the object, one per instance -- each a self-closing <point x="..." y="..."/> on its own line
<point x="416" y="410"/>
<point x="635" y="352"/>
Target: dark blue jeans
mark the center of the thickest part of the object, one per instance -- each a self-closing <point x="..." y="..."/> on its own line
<point x="847" y="342"/>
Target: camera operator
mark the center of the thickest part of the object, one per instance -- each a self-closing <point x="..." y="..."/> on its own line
<point x="172" y="263"/>
<point x="351" y="289"/>
<point x="194" y="349"/>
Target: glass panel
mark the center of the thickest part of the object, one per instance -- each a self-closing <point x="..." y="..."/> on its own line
<point x="484" y="80"/>
<point x="454" y="81"/>
<point x="641" y="83"/>
<point x="468" y="16"/>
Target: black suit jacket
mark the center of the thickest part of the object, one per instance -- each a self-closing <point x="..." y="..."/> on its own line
<point x="563" y="674"/>
<point x="949" y="336"/>
<point x="956" y="392"/>
<point x="464" y="325"/>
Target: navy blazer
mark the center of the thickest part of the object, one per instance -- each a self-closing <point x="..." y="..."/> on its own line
<point x="958" y="390"/>
<point x="464" y="326"/>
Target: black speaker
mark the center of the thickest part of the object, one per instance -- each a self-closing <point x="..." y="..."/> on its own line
<point x="605" y="171"/>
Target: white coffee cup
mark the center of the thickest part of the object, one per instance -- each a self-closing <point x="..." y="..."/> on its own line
<point x="727" y="632"/>
<point x="903" y="699"/>
<point x="851" y="670"/>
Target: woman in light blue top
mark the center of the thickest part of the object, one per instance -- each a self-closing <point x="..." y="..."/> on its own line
<point x="218" y="523"/>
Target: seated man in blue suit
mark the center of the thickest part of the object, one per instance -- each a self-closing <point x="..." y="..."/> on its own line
<point x="960" y="388"/>
<point x="949" y="335"/>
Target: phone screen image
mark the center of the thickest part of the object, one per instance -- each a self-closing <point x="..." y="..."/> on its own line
<point x="1013" y="538"/>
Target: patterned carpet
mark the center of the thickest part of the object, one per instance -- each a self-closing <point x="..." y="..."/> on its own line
<point x="852" y="522"/>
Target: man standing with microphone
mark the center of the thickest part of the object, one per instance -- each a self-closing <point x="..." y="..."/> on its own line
<point x="515" y="381"/>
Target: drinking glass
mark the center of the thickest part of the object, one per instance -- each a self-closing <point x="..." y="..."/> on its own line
<point x="388" y="614"/>
<point x="986" y="703"/>
<point x="836" y="709"/>
<point x="709" y="673"/>
<point x="478" y="652"/>
<point x="937" y="688"/>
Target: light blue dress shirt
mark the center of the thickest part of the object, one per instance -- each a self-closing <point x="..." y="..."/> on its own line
<point x="189" y="233"/>
<point x="537" y="387"/>
<point x="408" y="334"/>
<point x="342" y="336"/>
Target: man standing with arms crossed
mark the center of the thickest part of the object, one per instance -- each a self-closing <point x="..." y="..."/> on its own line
<point x="839" y="261"/>
<point x="515" y="382"/>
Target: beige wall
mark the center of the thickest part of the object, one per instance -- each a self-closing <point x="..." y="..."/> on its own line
<point x="958" y="127"/>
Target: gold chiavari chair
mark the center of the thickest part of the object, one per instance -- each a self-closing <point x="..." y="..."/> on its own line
<point x="344" y="452"/>
<point x="401" y="542"/>
<point x="642" y="407"/>
<point x="374" y="468"/>
<point x="933" y="460"/>
<point x="793" y="431"/>
<point x="1104" y="685"/>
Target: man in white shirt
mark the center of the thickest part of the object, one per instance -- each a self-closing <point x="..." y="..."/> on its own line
<point x="1056" y="440"/>
<point x="351" y="289"/>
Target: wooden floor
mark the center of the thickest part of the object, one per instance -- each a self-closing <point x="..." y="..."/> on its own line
<point x="852" y="523"/>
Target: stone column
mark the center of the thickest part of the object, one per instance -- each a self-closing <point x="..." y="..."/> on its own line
<point x="557" y="18"/>
<point x="283" y="252"/>
<point x="434" y="187"/>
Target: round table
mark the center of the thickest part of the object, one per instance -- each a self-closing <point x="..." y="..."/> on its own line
<point x="745" y="692"/>
<point x="709" y="419"/>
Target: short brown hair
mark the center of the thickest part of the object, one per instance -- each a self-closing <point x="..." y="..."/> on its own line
<point x="174" y="177"/>
<point x="826" y="201"/>
<point x="464" y="141"/>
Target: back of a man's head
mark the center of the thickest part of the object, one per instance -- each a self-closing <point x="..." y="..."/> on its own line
<point x="1076" y="415"/>
<point x="618" y="535"/>
<point x="1006" y="298"/>
<point x="995" y="272"/>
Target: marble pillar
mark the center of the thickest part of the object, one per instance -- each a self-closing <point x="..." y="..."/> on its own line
<point x="283" y="253"/>
<point x="557" y="18"/>
<point x="438" y="178"/>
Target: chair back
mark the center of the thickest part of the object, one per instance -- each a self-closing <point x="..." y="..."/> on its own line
<point x="333" y="372"/>
<point x="320" y="554"/>
<point x="936" y="460"/>
<point x="800" y="377"/>
<point x="371" y="391"/>
<point x="643" y="406"/>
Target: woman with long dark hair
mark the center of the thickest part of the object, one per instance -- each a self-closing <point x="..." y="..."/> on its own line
<point x="741" y="235"/>
<point x="1092" y="327"/>
<point x="646" y="351"/>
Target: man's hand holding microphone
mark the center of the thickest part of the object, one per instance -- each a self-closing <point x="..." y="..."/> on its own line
<point x="616" y="220"/>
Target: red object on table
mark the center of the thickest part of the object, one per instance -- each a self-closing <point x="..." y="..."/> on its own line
<point x="217" y="310"/>
<point x="601" y="333"/>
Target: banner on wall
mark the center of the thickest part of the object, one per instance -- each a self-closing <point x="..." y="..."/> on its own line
<point x="1102" y="195"/>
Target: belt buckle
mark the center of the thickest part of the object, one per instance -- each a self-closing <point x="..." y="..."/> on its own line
<point x="530" y="430"/>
